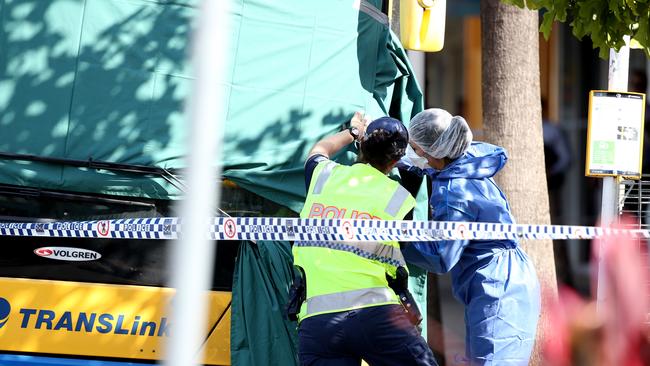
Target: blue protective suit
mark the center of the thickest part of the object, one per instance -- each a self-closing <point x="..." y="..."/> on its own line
<point x="494" y="279"/>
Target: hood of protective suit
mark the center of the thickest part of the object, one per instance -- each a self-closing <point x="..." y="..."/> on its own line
<point x="481" y="160"/>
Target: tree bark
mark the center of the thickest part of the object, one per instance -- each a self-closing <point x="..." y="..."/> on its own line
<point x="512" y="119"/>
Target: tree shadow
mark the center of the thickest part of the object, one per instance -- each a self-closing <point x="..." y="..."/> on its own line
<point x="106" y="80"/>
<point x="92" y="80"/>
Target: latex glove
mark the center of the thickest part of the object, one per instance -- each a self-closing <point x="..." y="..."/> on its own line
<point x="360" y="121"/>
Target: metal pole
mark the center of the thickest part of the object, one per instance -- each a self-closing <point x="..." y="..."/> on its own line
<point x="418" y="62"/>
<point x="619" y="63"/>
<point x="193" y="254"/>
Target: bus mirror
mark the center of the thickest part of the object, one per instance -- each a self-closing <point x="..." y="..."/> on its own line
<point x="422" y="24"/>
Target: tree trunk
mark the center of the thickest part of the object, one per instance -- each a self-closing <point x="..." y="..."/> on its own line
<point x="512" y="119"/>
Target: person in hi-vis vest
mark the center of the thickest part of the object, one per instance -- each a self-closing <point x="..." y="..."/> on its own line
<point x="348" y="311"/>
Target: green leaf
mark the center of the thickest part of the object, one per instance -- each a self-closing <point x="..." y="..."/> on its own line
<point x="547" y="23"/>
<point x="615" y="8"/>
<point x="605" y="22"/>
<point x="631" y="4"/>
<point x="561" y="9"/>
<point x="578" y="29"/>
<point x="631" y="8"/>
<point x="603" y="53"/>
<point x="642" y="34"/>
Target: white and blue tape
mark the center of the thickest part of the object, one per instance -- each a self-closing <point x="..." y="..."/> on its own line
<point x="270" y="228"/>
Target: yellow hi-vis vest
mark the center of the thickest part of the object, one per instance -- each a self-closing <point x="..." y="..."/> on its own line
<point x="350" y="275"/>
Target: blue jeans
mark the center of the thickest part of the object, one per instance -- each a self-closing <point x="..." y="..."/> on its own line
<point x="381" y="335"/>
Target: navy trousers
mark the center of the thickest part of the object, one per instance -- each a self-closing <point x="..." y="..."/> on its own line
<point x="380" y="335"/>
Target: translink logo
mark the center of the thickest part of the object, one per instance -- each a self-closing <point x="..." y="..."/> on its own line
<point x="87" y="322"/>
<point x="5" y="309"/>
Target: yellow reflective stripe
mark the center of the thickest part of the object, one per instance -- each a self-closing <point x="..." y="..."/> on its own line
<point x="377" y="251"/>
<point x="322" y="177"/>
<point x="349" y="299"/>
<point x="396" y="201"/>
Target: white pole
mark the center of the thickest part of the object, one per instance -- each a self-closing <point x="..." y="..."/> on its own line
<point x="619" y="63"/>
<point x="418" y="62"/>
<point x="193" y="254"/>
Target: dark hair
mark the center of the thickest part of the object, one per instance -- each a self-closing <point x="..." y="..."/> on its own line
<point x="381" y="148"/>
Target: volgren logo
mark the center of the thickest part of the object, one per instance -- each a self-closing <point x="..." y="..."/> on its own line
<point x="67" y="253"/>
<point x="5" y="309"/>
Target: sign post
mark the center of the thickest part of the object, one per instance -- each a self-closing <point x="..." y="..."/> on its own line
<point x="617" y="81"/>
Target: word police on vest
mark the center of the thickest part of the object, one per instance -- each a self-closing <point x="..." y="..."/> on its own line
<point x="320" y="211"/>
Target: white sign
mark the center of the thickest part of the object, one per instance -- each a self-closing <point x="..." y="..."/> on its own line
<point x="615" y="134"/>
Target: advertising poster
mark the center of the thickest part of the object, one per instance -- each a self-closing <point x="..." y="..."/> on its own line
<point x="615" y="134"/>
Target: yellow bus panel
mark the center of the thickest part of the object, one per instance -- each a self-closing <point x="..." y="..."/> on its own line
<point x="86" y="319"/>
<point x="215" y="350"/>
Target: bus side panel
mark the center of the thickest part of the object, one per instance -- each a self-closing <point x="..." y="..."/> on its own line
<point x="85" y="319"/>
<point x="216" y="351"/>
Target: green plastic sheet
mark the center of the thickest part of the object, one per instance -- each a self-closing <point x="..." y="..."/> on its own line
<point x="105" y="80"/>
<point x="260" y="333"/>
<point x="94" y="79"/>
<point x="320" y="62"/>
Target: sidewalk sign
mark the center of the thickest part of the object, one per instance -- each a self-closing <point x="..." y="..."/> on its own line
<point x="615" y="134"/>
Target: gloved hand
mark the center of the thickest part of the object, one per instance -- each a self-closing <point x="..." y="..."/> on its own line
<point x="399" y="284"/>
<point x="360" y="121"/>
<point x="297" y="295"/>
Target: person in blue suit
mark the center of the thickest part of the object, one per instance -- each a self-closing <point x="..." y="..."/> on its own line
<point x="494" y="279"/>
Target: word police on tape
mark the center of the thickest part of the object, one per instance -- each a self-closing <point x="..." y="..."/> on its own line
<point x="274" y="228"/>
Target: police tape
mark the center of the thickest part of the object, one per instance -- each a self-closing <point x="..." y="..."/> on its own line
<point x="295" y="229"/>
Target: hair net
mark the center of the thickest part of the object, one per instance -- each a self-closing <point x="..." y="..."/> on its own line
<point x="440" y="134"/>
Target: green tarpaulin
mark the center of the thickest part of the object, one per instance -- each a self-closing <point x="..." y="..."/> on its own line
<point x="318" y="62"/>
<point x="93" y="79"/>
<point x="260" y="332"/>
<point x="105" y="80"/>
